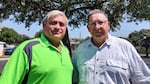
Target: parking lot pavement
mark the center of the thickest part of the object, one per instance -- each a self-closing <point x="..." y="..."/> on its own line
<point x="147" y="61"/>
<point x="2" y="64"/>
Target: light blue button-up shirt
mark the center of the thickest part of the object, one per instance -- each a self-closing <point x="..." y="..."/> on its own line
<point x="115" y="62"/>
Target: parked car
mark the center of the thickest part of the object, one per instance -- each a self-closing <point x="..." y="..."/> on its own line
<point x="9" y="51"/>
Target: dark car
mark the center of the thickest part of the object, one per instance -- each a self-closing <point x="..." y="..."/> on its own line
<point x="9" y="51"/>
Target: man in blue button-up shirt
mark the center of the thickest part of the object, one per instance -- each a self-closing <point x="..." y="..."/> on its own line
<point x="105" y="59"/>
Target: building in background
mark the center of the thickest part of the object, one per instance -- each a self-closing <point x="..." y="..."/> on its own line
<point x="74" y="44"/>
<point x="2" y="48"/>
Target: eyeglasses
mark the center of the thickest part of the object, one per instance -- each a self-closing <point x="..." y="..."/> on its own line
<point x="98" y="22"/>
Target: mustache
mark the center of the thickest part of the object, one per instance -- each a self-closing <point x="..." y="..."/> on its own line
<point x="55" y="31"/>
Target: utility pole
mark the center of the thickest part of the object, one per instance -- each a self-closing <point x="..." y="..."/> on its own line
<point x="146" y="40"/>
<point x="0" y="26"/>
<point x="80" y="35"/>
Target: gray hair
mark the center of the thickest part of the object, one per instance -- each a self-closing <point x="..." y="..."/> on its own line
<point x="97" y="11"/>
<point x="54" y="13"/>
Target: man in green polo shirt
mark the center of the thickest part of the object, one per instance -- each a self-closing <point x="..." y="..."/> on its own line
<point x="43" y="60"/>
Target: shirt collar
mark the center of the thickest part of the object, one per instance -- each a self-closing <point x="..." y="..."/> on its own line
<point x="46" y="42"/>
<point x="107" y="42"/>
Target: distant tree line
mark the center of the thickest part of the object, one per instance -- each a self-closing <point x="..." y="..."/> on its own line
<point x="141" y="40"/>
<point x="10" y="36"/>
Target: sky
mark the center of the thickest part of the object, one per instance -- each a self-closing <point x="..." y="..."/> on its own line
<point x="81" y="33"/>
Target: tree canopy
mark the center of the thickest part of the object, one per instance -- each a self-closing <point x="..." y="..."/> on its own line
<point x="31" y="11"/>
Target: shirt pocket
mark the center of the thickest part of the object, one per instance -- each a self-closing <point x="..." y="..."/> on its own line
<point x="117" y="64"/>
<point x="86" y="71"/>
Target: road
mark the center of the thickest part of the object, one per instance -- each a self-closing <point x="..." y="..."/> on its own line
<point x="147" y="61"/>
<point x="2" y="63"/>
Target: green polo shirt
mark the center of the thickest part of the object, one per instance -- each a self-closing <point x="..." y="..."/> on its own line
<point x="48" y="65"/>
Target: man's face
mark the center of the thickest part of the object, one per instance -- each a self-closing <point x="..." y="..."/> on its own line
<point x="98" y="25"/>
<point x="55" y="27"/>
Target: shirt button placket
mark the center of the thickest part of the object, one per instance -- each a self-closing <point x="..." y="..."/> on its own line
<point x="96" y="76"/>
